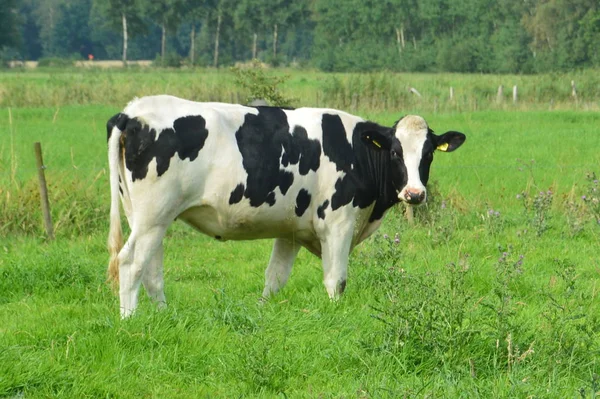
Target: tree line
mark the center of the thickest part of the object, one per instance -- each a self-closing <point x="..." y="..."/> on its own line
<point x="487" y="36"/>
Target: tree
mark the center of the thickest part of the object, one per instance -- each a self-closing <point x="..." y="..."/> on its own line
<point x="167" y="14"/>
<point x="221" y="15"/>
<point x="48" y="14"/>
<point x="248" y="20"/>
<point x="31" y="46"/>
<point x="9" y="24"/>
<point x="561" y="32"/>
<point x="123" y="15"/>
<point x="195" y="12"/>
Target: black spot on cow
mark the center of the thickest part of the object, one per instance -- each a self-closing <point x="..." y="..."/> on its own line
<point x="186" y="138"/>
<point x="191" y="133"/>
<point x="344" y="192"/>
<point x="298" y="148"/>
<point x="335" y="143"/>
<point x="302" y="202"/>
<point x="266" y="144"/>
<point x="270" y="198"/>
<point x="285" y="180"/>
<point x="139" y="148"/>
<point x="119" y="120"/>
<point x="237" y="194"/>
<point x="259" y="142"/>
<point x="321" y="209"/>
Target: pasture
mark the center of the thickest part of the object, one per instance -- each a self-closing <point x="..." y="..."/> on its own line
<point x="492" y="292"/>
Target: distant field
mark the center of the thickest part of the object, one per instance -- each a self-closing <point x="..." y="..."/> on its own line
<point x="86" y="64"/>
<point x="492" y="293"/>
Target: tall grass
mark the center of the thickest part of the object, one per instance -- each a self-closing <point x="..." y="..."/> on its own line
<point x="73" y="142"/>
<point x="368" y="92"/>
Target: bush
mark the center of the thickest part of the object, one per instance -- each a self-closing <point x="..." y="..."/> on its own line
<point x="170" y="60"/>
<point x="56" y="62"/>
<point x="259" y="85"/>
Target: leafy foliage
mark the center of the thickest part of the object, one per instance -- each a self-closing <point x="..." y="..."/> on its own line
<point x="399" y="35"/>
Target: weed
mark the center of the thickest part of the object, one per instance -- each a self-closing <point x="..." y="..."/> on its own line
<point x="260" y="85"/>
<point x="493" y="220"/>
<point x="537" y="209"/>
<point x="572" y="326"/>
<point x="592" y="197"/>
<point x="502" y="319"/>
<point x="576" y="215"/>
<point x="265" y="364"/>
<point x="428" y="313"/>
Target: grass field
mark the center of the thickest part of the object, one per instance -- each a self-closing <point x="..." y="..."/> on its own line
<point x="493" y="292"/>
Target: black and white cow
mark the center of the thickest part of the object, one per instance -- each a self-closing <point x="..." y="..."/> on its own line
<point x="321" y="179"/>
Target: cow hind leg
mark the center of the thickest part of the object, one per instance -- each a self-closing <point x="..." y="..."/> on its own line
<point x="280" y="265"/>
<point x="138" y="253"/>
<point x="152" y="278"/>
<point x="335" y="254"/>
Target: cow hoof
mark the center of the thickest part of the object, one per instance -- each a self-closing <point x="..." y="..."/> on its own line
<point x="336" y="290"/>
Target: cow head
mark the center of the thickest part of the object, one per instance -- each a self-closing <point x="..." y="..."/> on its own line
<point x="411" y="144"/>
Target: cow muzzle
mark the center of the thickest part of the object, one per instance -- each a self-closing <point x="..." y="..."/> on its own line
<point x="412" y="196"/>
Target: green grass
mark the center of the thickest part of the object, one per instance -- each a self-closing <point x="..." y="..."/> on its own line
<point x="486" y="295"/>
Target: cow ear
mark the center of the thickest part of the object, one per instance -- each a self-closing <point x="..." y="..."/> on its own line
<point x="376" y="140"/>
<point x="450" y="141"/>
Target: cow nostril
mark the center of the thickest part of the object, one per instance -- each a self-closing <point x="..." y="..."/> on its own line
<point x="414" y="197"/>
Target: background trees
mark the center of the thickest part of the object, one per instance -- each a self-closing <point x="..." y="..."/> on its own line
<point x="9" y="24"/>
<point x="401" y="35"/>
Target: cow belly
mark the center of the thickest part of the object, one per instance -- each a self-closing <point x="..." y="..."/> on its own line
<point x="232" y="225"/>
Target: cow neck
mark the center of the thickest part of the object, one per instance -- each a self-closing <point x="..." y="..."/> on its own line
<point x="374" y="169"/>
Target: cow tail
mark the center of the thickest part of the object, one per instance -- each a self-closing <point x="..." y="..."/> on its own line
<point x="115" y="235"/>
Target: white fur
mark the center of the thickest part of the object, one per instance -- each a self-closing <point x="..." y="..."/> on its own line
<point x="412" y="133"/>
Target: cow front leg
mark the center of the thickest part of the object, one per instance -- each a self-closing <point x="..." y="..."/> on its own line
<point x="335" y="253"/>
<point x="280" y="265"/>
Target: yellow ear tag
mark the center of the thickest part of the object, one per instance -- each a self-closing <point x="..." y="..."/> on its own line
<point x="443" y="147"/>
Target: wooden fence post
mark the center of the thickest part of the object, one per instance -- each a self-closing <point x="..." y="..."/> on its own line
<point x="515" y="94"/>
<point x="43" y="190"/>
<point x="573" y="90"/>
<point x="451" y="93"/>
<point x="500" y="95"/>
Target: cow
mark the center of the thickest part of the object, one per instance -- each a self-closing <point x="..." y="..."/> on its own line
<point x="316" y="178"/>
